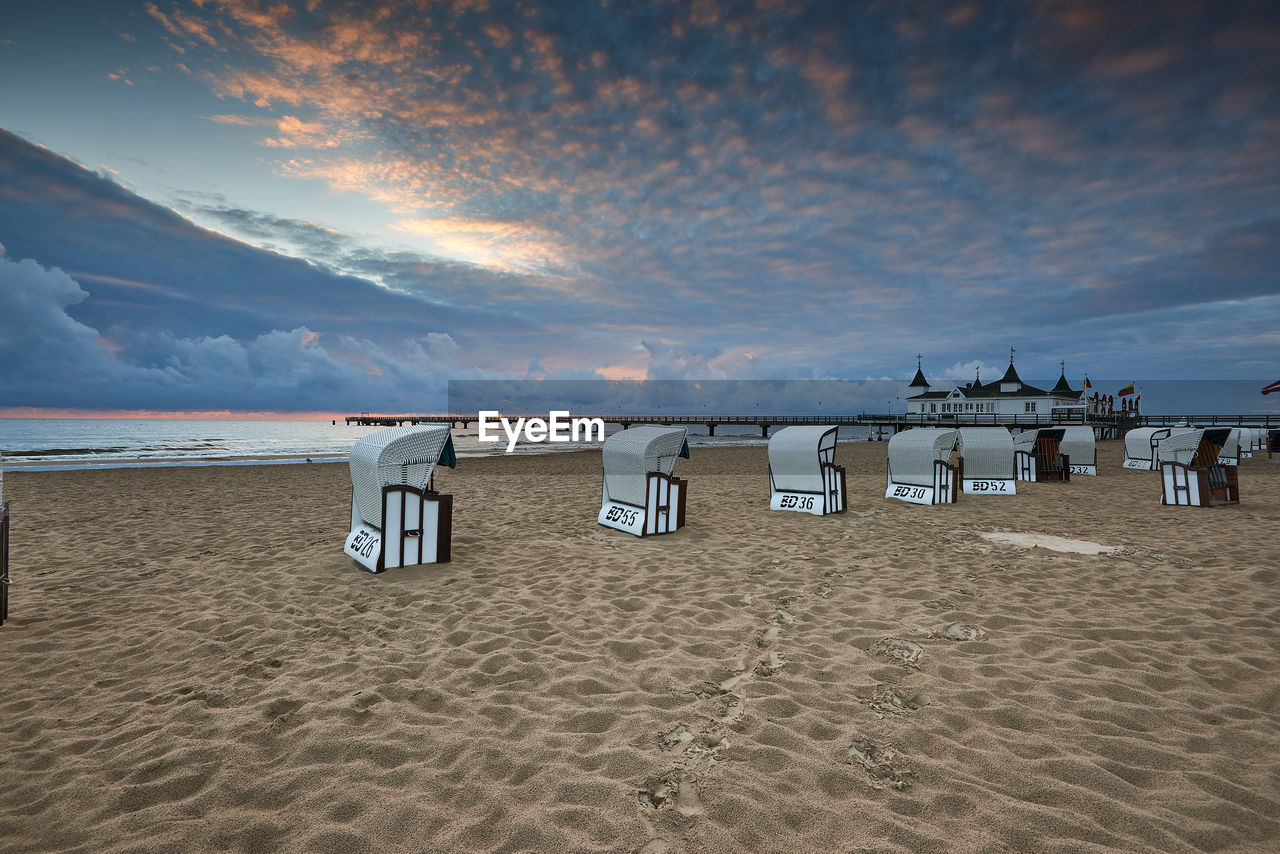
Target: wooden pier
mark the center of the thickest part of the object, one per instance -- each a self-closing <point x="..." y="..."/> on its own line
<point x="1106" y="426"/>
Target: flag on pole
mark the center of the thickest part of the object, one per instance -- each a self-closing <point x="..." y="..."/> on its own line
<point x="1126" y="390"/>
<point x="1087" y="385"/>
<point x="1275" y="386"/>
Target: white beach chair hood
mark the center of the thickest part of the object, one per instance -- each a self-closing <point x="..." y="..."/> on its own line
<point x="987" y="452"/>
<point x="399" y="455"/>
<point x="629" y="455"/>
<point x="913" y="452"/>
<point x="1079" y="445"/>
<point x="795" y="461"/>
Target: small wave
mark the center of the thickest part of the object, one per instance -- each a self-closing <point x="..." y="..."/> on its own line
<point x="62" y="452"/>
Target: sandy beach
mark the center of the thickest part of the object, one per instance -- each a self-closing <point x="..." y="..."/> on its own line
<point x="193" y="665"/>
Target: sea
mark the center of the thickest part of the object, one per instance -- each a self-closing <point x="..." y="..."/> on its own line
<point x="58" y="444"/>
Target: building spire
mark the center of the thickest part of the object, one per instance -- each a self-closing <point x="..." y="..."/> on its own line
<point x="1010" y="357"/>
<point x="918" y="381"/>
<point x="1063" y="387"/>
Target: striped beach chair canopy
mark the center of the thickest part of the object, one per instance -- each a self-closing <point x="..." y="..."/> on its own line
<point x="796" y="454"/>
<point x="1185" y="445"/>
<point x="987" y="452"/>
<point x="1239" y="439"/>
<point x="397" y="456"/>
<point x="913" y="452"/>
<point x="629" y="456"/>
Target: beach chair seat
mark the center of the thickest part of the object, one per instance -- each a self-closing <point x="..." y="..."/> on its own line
<point x="1038" y="455"/>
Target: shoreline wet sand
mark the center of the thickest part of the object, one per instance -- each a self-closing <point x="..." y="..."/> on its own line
<point x="192" y="664"/>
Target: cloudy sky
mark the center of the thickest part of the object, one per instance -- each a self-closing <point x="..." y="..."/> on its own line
<point x="327" y="206"/>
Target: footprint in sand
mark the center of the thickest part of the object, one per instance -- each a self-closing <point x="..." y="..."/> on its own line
<point x="733" y="702"/>
<point x="878" y="760"/>
<point x="896" y="701"/>
<point x="675" y="738"/>
<point x="735" y="707"/>
<point x="770" y="664"/>
<point x="904" y="651"/>
<point x="672" y="788"/>
<point x="963" y="632"/>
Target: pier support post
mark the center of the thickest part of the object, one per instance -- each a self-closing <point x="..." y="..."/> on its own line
<point x="711" y="429"/>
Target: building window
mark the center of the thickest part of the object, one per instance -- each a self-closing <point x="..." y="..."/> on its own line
<point x="933" y="407"/>
<point x="1029" y="406"/>
<point x="991" y="407"/>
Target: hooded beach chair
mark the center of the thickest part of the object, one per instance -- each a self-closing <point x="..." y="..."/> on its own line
<point x="1141" y="446"/>
<point x="803" y="475"/>
<point x="640" y="493"/>
<point x="4" y="551"/>
<point x="397" y="517"/>
<point x="987" y="453"/>
<point x="1191" y="471"/>
<point x="920" y="471"/>
<point x="1038" y="455"/>
<point x="1081" y="450"/>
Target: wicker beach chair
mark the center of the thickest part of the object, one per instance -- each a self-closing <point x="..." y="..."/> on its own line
<point x="4" y="549"/>
<point x="987" y="453"/>
<point x="1038" y="456"/>
<point x="919" y="470"/>
<point x="397" y="517"/>
<point x="640" y="493"/>
<point x="1080" y="448"/>
<point x="1192" y="471"/>
<point x="803" y="475"/>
